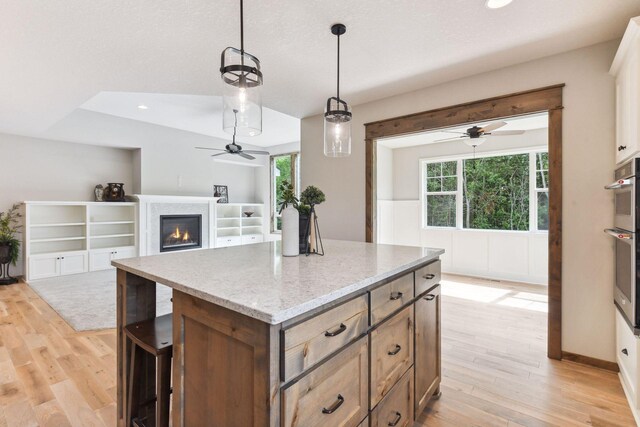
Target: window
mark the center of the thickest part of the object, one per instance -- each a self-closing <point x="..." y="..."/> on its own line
<point x="496" y="193"/>
<point x="542" y="190"/>
<point x="442" y="186"/>
<point x="283" y="168"/>
<point x="500" y="192"/>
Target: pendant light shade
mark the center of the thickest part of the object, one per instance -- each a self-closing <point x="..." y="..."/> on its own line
<point x="337" y="115"/>
<point x="242" y="79"/>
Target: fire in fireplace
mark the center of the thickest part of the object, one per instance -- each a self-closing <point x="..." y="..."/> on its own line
<point x="180" y="232"/>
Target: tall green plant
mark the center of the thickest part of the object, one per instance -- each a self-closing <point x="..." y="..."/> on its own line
<point x="9" y="227"/>
<point x="287" y="195"/>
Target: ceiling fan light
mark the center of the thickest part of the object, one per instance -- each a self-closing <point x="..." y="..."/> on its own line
<point x="474" y="142"/>
<point x="497" y="4"/>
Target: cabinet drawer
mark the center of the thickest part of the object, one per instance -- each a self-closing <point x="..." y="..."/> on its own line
<point x="334" y="394"/>
<point x="222" y="242"/>
<point x="252" y="238"/>
<point x="390" y="297"/>
<point x="397" y="408"/>
<point x="307" y="343"/>
<point x="627" y="352"/>
<point x="427" y="277"/>
<point x="391" y="353"/>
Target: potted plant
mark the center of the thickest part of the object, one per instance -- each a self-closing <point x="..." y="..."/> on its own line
<point x="9" y="243"/>
<point x="290" y="219"/>
<point x="312" y="196"/>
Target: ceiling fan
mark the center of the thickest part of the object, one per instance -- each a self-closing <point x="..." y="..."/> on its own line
<point x="475" y="135"/>
<point x="234" y="148"/>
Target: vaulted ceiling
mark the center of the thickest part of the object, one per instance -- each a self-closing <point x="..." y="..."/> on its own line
<point x="55" y="55"/>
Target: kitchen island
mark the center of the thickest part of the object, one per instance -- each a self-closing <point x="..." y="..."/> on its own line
<point x="347" y="339"/>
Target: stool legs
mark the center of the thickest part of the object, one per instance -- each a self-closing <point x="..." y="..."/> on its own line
<point x="135" y="368"/>
<point x="163" y="381"/>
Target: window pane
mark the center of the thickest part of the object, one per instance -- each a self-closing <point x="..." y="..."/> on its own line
<point x="542" y="179"/>
<point x="434" y="169"/>
<point x="496" y="193"/>
<point x="449" y="183"/>
<point x="542" y="161"/>
<point x="441" y="210"/>
<point x="434" y="185"/>
<point x="449" y="168"/>
<point x="543" y="210"/>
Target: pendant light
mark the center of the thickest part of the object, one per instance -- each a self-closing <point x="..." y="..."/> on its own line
<point x="337" y="115"/>
<point x="242" y="79"/>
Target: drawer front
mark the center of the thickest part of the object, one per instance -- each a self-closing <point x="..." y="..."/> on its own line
<point x="390" y="297"/>
<point x="252" y="238"/>
<point x="626" y="349"/>
<point x="391" y="353"/>
<point x="428" y="276"/>
<point x="222" y="242"/>
<point x="397" y="408"/>
<point x="364" y="423"/>
<point x="335" y="394"/>
<point x="311" y="341"/>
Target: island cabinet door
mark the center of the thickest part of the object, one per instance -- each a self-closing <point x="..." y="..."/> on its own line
<point x="427" y="350"/>
<point x="334" y="394"/>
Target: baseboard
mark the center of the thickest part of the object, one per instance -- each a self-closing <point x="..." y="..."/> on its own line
<point x="591" y="361"/>
<point x="630" y="399"/>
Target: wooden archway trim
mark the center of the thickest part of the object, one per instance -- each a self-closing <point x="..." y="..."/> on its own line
<point x="546" y="99"/>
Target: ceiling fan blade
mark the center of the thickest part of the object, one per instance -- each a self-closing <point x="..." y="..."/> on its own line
<point x="255" y="152"/>
<point x="453" y="131"/>
<point x="459" y="138"/>
<point x="246" y="156"/>
<point x="506" y="132"/>
<point x="493" y="126"/>
<point x="206" y="148"/>
<point x="219" y="154"/>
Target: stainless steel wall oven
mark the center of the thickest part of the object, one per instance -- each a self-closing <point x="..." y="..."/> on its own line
<point x="625" y="231"/>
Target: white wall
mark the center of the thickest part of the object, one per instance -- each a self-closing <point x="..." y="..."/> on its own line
<point x="385" y="171"/>
<point x="37" y="169"/>
<point x="588" y="147"/>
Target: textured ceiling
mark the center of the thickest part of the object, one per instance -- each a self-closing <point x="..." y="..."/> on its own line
<point x="57" y="54"/>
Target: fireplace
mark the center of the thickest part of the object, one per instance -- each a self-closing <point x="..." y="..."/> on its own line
<point x="180" y="232"/>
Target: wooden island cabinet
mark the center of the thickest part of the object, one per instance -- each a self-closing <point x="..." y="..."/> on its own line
<point x="309" y="342"/>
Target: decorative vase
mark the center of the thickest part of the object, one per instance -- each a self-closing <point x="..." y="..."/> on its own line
<point x="99" y="193"/>
<point x="290" y="231"/>
<point x="302" y="232"/>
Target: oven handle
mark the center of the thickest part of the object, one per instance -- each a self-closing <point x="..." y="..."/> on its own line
<point x="622" y="235"/>
<point x="621" y="183"/>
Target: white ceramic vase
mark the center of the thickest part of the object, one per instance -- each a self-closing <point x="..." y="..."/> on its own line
<point x="290" y="231"/>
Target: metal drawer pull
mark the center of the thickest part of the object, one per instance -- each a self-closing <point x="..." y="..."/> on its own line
<point x="333" y="408"/>
<point x="395" y="351"/>
<point x="430" y="297"/>
<point x="395" y="295"/>
<point x="625" y="352"/>
<point x="429" y="276"/>
<point x="338" y="331"/>
<point x="396" y="421"/>
<point x="619" y="234"/>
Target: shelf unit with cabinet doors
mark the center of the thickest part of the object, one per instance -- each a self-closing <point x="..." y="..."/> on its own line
<point x="233" y="227"/>
<point x="63" y="238"/>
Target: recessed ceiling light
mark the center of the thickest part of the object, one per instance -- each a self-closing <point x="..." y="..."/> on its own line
<point x="143" y="107"/>
<point x="497" y="4"/>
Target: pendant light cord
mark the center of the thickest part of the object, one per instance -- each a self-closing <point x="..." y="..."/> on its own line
<point x="241" y="27"/>
<point x="338" y="72"/>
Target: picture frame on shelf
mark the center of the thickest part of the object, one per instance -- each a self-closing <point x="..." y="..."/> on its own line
<point x="222" y="192"/>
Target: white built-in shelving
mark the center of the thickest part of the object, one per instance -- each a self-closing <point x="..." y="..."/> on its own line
<point x="75" y="237"/>
<point x="234" y="227"/>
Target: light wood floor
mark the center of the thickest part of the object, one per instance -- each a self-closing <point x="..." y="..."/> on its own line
<point x="495" y="372"/>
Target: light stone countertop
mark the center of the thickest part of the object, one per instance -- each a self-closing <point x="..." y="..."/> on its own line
<point x="257" y="281"/>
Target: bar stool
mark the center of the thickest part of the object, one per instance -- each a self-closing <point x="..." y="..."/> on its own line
<point x="154" y="336"/>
